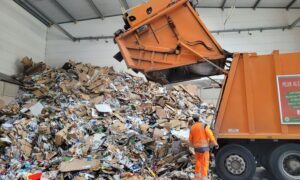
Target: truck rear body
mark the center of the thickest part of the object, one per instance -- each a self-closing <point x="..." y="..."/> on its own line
<point x="249" y="106"/>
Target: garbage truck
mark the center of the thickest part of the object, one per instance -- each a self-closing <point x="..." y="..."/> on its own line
<point x="257" y="120"/>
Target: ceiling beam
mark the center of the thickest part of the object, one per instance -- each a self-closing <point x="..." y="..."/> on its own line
<point x="241" y="7"/>
<point x="290" y="26"/>
<point x="290" y="4"/>
<point x="294" y="24"/>
<point x="93" y="5"/>
<point x="64" y="10"/>
<point x="239" y="30"/>
<point x="223" y="4"/>
<point x="256" y="4"/>
<point x="124" y="4"/>
<point x="204" y="7"/>
<point x="33" y="13"/>
<point x="50" y="20"/>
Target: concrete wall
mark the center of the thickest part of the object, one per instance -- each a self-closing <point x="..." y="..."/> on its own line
<point x="20" y="35"/>
<point x="60" y="48"/>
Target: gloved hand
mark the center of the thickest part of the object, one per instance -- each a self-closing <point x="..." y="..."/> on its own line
<point x="217" y="147"/>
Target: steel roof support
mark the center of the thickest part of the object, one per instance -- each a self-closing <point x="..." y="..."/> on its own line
<point x="290" y="4"/>
<point x="94" y="38"/>
<point x="291" y="26"/>
<point x="93" y="5"/>
<point x="256" y="4"/>
<point x="223" y="4"/>
<point x="33" y="13"/>
<point x="64" y="10"/>
<point x="50" y="20"/>
<point x="241" y="7"/>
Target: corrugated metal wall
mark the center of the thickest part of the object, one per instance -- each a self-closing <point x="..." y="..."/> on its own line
<point x="20" y="35"/>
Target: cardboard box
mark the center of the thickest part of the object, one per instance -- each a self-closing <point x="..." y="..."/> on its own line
<point x="78" y="164"/>
<point x="10" y="90"/>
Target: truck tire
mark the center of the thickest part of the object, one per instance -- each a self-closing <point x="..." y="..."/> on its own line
<point x="284" y="162"/>
<point x="235" y="162"/>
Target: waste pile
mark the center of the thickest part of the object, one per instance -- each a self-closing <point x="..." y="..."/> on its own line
<point x="86" y="122"/>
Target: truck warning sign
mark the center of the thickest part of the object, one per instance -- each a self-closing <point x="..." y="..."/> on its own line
<point x="289" y="98"/>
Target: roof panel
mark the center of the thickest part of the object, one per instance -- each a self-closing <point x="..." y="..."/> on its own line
<point x="210" y="3"/>
<point x="274" y="3"/>
<point x="108" y="8"/>
<point x="240" y="3"/>
<point x="50" y="9"/>
<point x="80" y="9"/>
<point x="133" y="3"/>
<point x="296" y="4"/>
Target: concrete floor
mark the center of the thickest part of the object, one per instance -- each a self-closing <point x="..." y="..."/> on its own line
<point x="262" y="174"/>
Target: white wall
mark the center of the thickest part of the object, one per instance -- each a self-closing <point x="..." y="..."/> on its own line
<point x="260" y="42"/>
<point x="60" y="48"/>
<point x="20" y="35"/>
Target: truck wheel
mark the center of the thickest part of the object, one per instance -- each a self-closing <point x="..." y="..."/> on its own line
<point x="285" y="162"/>
<point x="235" y="162"/>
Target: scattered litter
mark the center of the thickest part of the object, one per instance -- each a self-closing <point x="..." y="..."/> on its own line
<point x="36" y="109"/>
<point x="104" y="108"/>
<point x="87" y="122"/>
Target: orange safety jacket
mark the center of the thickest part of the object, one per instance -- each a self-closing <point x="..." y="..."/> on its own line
<point x="201" y="136"/>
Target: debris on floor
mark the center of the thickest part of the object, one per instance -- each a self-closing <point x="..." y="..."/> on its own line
<point x="86" y="122"/>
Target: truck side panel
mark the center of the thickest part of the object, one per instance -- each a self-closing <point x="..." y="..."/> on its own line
<point x="249" y="107"/>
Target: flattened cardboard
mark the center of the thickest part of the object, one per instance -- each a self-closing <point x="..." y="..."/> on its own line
<point x="119" y="127"/>
<point x="193" y="90"/>
<point x="61" y="135"/>
<point x="25" y="147"/>
<point x="161" y="113"/>
<point x="119" y="117"/>
<point x="144" y="128"/>
<point x="78" y="165"/>
<point x="96" y="100"/>
<point x="158" y="133"/>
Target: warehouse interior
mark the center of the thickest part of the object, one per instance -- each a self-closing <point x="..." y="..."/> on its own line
<point x="53" y="32"/>
<point x="48" y="43"/>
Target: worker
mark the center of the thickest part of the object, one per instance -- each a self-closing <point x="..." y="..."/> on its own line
<point x="200" y="138"/>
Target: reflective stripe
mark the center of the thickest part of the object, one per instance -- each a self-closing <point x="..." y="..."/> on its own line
<point x="201" y="143"/>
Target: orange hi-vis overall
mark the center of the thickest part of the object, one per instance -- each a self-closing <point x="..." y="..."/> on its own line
<point x="200" y="137"/>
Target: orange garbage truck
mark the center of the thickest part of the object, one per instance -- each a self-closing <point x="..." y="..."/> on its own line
<point x="258" y="114"/>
